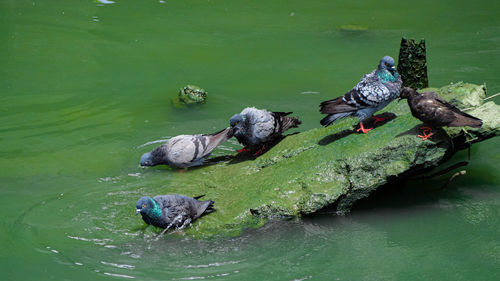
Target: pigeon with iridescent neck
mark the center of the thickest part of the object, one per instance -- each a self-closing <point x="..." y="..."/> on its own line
<point x="186" y="150"/>
<point x="255" y="128"/>
<point x="374" y="92"/>
<point x="168" y="211"/>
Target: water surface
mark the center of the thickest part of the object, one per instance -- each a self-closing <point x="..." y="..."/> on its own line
<point x="85" y="85"/>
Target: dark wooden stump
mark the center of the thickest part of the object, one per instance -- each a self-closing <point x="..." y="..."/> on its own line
<point x="412" y="64"/>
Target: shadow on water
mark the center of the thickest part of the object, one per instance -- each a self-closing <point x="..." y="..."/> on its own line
<point x="411" y="192"/>
<point x="215" y="160"/>
<point x="369" y="123"/>
<point x="408" y="189"/>
<point x="403" y="193"/>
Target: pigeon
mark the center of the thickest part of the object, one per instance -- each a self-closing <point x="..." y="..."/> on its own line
<point x="434" y="111"/>
<point x="186" y="150"/>
<point x="174" y="210"/>
<point x="374" y="92"/>
<point x="254" y="128"/>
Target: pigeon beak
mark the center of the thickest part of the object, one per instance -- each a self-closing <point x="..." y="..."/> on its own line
<point x="137" y="211"/>
<point x="393" y="68"/>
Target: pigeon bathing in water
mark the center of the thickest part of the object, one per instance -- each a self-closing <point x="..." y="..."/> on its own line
<point x="167" y="211"/>
<point x="434" y="111"/>
<point x="254" y="128"/>
<point x="374" y="92"/>
<point x="186" y="150"/>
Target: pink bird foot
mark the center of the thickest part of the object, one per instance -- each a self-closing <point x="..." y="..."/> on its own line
<point x="362" y="129"/>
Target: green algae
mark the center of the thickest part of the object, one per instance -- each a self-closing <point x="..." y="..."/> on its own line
<point x="190" y="94"/>
<point x="412" y="63"/>
<point x="332" y="166"/>
<point x="353" y="27"/>
<point x="462" y="95"/>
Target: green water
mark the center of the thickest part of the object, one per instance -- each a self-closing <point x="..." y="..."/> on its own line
<point x="85" y="86"/>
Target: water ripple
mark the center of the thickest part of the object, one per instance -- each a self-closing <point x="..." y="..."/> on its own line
<point x="206" y="277"/>
<point x="94" y="240"/>
<point x="126" y="266"/>
<point x="215" y="264"/>
<point x="154" y="141"/>
<point x="106" y="1"/>
<point x="119" y="275"/>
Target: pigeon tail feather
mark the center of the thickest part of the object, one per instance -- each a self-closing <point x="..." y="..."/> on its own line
<point x="283" y="122"/>
<point x="337" y="105"/>
<point x="329" y="119"/>
<point x="207" y="207"/>
<point x="465" y="119"/>
<point x="279" y="113"/>
<point x="217" y="138"/>
<point x="289" y="122"/>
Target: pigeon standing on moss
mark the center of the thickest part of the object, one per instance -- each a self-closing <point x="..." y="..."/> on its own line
<point x="167" y="211"/>
<point x="254" y="128"/>
<point x="436" y="112"/>
<point x="374" y="92"/>
<point x="185" y="150"/>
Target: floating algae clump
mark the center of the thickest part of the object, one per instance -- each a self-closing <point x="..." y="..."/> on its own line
<point x="191" y="94"/>
<point x="353" y="27"/>
<point x="327" y="167"/>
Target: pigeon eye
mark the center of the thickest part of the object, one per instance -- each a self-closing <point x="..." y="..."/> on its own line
<point x="143" y="205"/>
<point x="236" y="123"/>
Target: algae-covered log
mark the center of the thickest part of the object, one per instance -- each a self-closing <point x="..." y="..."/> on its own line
<point x="412" y="64"/>
<point x="328" y="166"/>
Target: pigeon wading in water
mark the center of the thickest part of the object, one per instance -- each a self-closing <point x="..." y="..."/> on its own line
<point x="254" y="128"/>
<point x="167" y="211"/>
<point x="186" y="150"/>
<point x="374" y="92"/>
<point x="434" y="111"/>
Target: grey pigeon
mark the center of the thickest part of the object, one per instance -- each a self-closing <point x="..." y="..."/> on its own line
<point x="186" y="150"/>
<point x="434" y="111"/>
<point x="374" y="92"/>
<point x="167" y="211"/>
<point x="254" y="128"/>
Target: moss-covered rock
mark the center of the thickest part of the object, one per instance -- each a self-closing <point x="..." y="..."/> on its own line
<point x="461" y="94"/>
<point x="332" y="166"/>
<point x="191" y="94"/>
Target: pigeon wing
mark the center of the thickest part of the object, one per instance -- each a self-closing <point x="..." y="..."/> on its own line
<point x="259" y="125"/>
<point x="262" y="131"/>
<point x="183" y="149"/>
<point x="459" y="118"/>
<point x="369" y="92"/>
<point x="175" y="208"/>
<point x="430" y="110"/>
